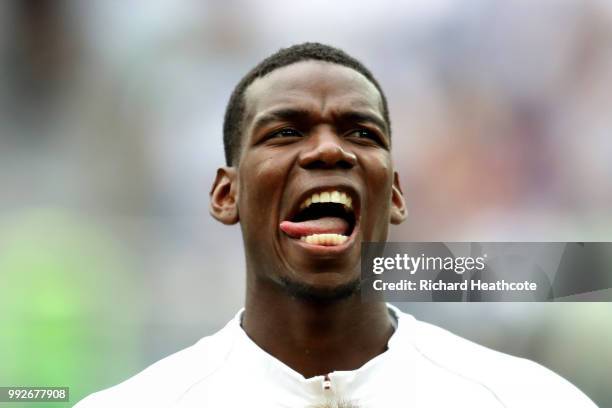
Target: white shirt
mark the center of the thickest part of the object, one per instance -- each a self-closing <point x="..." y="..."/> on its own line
<point x="424" y="366"/>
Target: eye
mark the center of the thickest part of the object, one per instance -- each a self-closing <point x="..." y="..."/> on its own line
<point x="286" y="132"/>
<point x="364" y="134"/>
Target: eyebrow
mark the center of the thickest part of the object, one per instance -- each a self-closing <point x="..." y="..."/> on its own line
<point x="358" y="116"/>
<point x="286" y="114"/>
<point x="297" y="115"/>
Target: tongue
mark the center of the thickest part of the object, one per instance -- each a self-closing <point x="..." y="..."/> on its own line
<point x="324" y="225"/>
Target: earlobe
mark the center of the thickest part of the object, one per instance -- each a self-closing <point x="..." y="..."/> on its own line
<point x="223" y="196"/>
<point x="399" y="212"/>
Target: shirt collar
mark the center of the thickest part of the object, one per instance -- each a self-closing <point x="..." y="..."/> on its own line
<point x="257" y="362"/>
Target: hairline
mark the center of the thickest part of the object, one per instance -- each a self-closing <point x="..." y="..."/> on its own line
<point x="242" y="101"/>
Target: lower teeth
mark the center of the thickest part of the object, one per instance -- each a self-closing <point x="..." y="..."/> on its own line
<point x="325" y="239"/>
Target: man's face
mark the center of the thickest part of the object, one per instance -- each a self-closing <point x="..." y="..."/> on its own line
<point x="314" y="131"/>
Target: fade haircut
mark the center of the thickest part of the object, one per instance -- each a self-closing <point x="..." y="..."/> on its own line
<point x="235" y="110"/>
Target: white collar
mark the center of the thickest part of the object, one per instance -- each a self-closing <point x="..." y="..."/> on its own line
<point x="256" y="361"/>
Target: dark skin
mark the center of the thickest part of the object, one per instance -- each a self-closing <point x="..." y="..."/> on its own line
<point x="310" y="126"/>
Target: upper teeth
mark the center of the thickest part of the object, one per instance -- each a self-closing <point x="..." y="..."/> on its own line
<point x="328" y="197"/>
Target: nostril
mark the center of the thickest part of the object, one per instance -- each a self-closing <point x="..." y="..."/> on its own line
<point x="315" y="164"/>
<point x="322" y="164"/>
<point x="343" y="164"/>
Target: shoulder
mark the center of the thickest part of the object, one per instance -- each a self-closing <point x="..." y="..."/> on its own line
<point x="514" y="381"/>
<point x="165" y="381"/>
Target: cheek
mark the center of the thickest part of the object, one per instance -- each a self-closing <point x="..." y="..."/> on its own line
<point x="379" y="177"/>
<point x="379" y="173"/>
<point x="261" y="181"/>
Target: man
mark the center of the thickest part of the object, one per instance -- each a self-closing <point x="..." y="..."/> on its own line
<point x="309" y="177"/>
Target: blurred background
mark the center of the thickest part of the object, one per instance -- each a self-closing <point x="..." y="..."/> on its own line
<point x="111" y="132"/>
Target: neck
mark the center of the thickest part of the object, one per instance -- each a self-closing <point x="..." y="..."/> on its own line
<point x="315" y="338"/>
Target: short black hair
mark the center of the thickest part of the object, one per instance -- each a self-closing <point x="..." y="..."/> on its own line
<point x="234" y="112"/>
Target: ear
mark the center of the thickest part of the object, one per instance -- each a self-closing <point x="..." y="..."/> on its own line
<point x="223" y="197"/>
<point x="399" y="212"/>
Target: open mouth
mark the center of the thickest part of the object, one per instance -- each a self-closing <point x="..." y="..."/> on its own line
<point x="324" y="218"/>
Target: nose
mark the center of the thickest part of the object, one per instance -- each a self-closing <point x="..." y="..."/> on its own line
<point x="326" y="151"/>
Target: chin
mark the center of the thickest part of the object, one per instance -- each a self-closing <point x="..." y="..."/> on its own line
<point x="321" y="292"/>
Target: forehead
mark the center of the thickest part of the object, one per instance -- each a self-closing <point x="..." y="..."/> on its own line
<point x="313" y="85"/>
